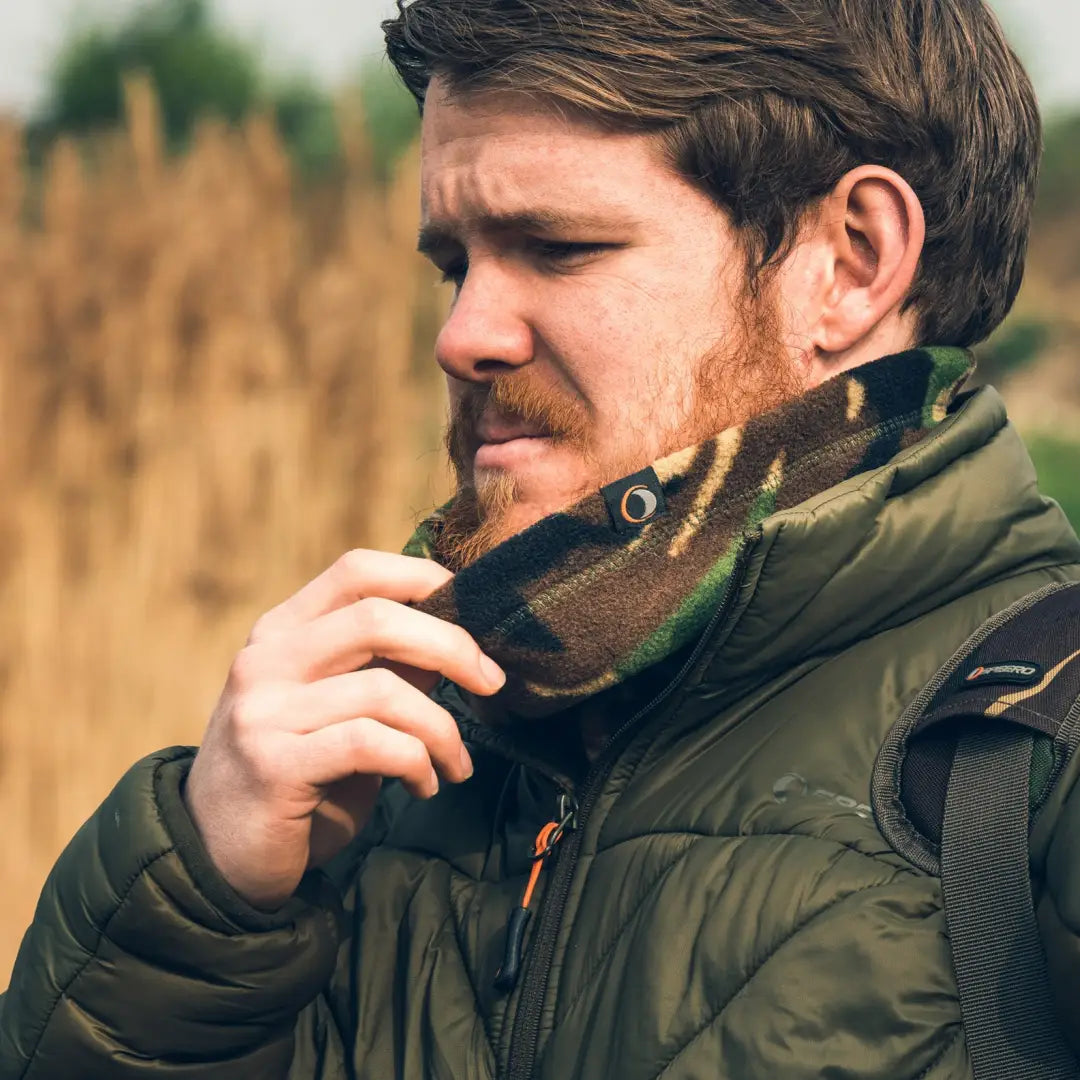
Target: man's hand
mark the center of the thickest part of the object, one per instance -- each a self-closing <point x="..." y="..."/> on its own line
<point x="294" y="754"/>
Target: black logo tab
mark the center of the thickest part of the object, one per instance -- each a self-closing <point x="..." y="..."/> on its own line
<point x="1011" y="672"/>
<point x="634" y="501"/>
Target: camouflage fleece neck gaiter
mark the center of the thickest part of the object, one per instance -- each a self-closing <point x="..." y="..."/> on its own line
<point x="591" y="596"/>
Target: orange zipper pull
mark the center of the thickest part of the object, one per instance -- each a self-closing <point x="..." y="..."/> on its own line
<point x="543" y="849"/>
<point x="507" y="976"/>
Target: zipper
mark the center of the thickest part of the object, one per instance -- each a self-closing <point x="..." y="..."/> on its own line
<point x="525" y="1036"/>
<point x="546" y="841"/>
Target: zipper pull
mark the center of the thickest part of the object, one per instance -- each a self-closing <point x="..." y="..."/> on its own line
<point x="507" y="976"/>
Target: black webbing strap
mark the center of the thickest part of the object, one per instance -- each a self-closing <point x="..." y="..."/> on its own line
<point x="1010" y="1020"/>
<point x="959" y="777"/>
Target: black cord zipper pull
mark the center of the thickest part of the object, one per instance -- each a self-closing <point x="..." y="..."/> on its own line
<point x="507" y="976"/>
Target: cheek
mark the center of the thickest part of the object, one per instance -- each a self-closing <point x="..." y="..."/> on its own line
<point x="610" y="342"/>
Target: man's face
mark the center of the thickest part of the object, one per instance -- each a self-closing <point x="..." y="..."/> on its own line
<point x="600" y="319"/>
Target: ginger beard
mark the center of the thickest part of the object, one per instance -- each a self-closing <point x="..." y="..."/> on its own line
<point x="748" y="374"/>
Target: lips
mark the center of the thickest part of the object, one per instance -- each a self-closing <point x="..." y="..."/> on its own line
<point x="494" y="431"/>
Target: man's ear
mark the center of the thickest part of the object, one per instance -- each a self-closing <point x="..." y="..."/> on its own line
<point x="866" y="242"/>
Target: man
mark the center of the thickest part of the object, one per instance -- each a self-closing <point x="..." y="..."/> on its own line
<point x="587" y="770"/>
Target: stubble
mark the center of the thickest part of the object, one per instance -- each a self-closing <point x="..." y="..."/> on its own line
<point x="750" y="373"/>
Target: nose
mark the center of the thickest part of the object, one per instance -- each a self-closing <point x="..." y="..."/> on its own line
<point x="485" y="334"/>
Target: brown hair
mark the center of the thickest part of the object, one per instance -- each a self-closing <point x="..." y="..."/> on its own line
<point x="766" y="104"/>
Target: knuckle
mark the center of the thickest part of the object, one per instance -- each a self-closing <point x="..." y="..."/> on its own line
<point x="253" y="744"/>
<point x="381" y="686"/>
<point x="371" y="615"/>
<point x="246" y="668"/>
<point x="357" y="741"/>
<point x="264" y="764"/>
<point x="351" y="566"/>
<point x="265" y="627"/>
<point x="445" y="725"/>
<point x="250" y="714"/>
<point x="464" y="645"/>
<point x="414" y="758"/>
<point x="360" y="744"/>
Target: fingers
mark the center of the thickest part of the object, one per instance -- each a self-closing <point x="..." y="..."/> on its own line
<point x="380" y="695"/>
<point x="365" y="746"/>
<point x="348" y="638"/>
<point x="425" y="681"/>
<point x="356" y="575"/>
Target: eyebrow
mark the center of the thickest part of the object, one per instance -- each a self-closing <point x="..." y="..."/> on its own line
<point x="438" y="236"/>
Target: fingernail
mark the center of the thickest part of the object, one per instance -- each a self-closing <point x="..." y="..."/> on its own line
<point x="433" y="783"/>
<point x="493" y="674"/>
<point x="466" y="763"/>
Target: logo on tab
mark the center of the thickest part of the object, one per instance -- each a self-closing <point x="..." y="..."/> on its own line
<point x="1016" y="673"/>
<point x="634" y="501"/>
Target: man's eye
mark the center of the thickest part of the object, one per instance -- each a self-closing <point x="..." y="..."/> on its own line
<point x="559" y="251"/>
<point x="549" y="250"/>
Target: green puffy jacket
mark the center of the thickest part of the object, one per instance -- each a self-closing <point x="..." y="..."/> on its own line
<point x="723" y="906"/>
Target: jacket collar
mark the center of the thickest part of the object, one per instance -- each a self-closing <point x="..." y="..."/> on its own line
<point x="955" y="512"/>
<point x="595" y="596"/>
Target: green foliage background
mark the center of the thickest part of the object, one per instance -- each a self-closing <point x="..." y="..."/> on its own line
<point x="1057" y="461"/>
<point x="201" y="70"/>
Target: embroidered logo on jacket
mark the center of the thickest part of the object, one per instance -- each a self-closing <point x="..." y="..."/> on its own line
<point x="1017" y="673"/>
<point x="795" y="786"/>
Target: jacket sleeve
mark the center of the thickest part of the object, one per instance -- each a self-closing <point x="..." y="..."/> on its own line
<point x="1059" y="915"/>
<point x="142" y="962"/>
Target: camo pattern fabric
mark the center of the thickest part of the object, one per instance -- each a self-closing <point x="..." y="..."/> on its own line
<point x="591" y="596"/>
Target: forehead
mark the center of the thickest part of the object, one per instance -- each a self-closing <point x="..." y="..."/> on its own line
<point x="503" y="154"/>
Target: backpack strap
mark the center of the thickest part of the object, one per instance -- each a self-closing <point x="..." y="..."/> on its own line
<point x="956" y="785"/>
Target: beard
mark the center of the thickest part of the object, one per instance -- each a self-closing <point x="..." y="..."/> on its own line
<point x="749" y="373"/>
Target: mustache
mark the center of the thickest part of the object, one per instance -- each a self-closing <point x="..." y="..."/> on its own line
<point x="513" y="397"/>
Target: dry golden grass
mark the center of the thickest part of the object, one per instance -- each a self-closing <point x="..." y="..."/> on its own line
<point x="210" y="387"/>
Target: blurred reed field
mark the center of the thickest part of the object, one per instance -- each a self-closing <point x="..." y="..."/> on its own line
<point x="211" y="386"/>
<point x="216" y="378"/>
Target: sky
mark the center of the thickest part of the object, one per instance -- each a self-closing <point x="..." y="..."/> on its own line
<point x="329" y="39"/>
